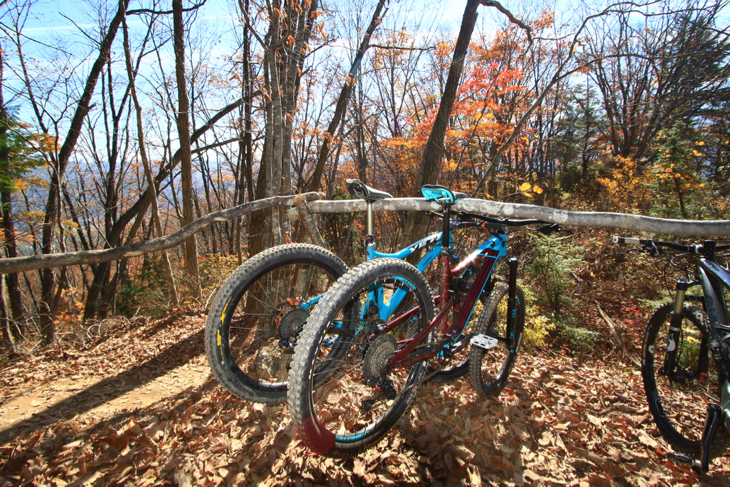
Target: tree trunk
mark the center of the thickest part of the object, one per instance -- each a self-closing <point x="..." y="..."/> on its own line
<point x="7" y="334"/>
<point x="345" y="97"/>
<point x="434" y="151"/>
<point x="6" y="212"/>
<point x="147" y="166"/>
<point x="186" y="164"/>
<point x="48" y="327"/>
<point x="11" y="250"/>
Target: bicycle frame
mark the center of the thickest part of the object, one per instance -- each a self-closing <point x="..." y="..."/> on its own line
<point x="377" y="295"/>
<point x="489" y="252"/>
<point x="713" y="279"/>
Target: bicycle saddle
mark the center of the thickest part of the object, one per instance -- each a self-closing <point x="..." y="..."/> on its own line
<point x="441" y="194"/>
<point x="359" y="189"/>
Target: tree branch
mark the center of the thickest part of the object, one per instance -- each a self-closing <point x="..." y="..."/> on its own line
<point x="20" y="264"/>
<point x="166" y="12"/>
<point x="399" y="48"/>
<point x="510" y="16"/>
<point x="635" y="223"/>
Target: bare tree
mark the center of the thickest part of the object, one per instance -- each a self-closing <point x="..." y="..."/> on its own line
<point x="183" y="125"/>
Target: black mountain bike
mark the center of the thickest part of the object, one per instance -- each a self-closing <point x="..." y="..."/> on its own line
<point x="682" y="339"/>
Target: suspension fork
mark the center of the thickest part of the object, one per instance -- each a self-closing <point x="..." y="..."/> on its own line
<point x="675" y="333"/>
<point x="511" y="302"/>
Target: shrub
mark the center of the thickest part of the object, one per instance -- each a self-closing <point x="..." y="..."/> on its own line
<point x="537" y="326"/>
<point x="554" y="259"/>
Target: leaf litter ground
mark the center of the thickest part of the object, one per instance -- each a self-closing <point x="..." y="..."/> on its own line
<point x="140" y="408"/>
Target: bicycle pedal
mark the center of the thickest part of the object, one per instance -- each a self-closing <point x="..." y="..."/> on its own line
<point x="484" y="341"/>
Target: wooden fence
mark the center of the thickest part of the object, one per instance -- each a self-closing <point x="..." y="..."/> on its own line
<point x="310" y="203"/>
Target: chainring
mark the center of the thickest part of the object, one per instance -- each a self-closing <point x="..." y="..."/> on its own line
<point x="377" y="356"/>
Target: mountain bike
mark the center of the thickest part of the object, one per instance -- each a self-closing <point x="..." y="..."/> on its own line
<point x="255" y="318"/>
<point x="682" y="339"/>
<point x="383" y="315"/>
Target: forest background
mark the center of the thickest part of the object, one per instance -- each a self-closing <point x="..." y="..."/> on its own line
<point x="125" y="121"/>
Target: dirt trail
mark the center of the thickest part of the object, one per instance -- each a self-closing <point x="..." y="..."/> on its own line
<point x="136" y="367"/>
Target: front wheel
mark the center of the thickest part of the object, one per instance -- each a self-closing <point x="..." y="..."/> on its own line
<point x="678" y="398"/>
<point x="257" y="314"/>
<point x="345" y="399"/>
<point x="494" y="347"/>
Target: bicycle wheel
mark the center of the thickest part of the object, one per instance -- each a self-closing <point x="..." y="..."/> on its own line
<point x="346" y="399"/>
<point x="454" y="362"/>
<point x="490" y="364"/>
<point x="257" y="314"/>
<point x="679" y="403"/>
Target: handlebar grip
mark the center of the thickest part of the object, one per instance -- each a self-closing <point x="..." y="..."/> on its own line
<point x="627" y="241"/>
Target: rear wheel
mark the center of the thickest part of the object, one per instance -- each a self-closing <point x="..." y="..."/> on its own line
<point x="495" y="347"/>
<point x="347" y="398"/>
<point x="257" y="314"/>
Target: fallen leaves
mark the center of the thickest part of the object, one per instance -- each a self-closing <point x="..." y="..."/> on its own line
<point x="557" y="422"/>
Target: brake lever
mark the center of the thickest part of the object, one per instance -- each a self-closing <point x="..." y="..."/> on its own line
<point x="652" y="250"/>
<point x="553" y="227"/>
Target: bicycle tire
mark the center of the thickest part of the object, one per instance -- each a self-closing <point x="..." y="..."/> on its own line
<point x="679" y="409"/>
<point x="489" y="369"/>
<point x="461" y="358"/>
<point x="339" y="415"/>
<point x="250" y="364"/>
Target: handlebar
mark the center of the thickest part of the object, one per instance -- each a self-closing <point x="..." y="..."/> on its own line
<point x="653" y="247"/>
<point x="487" y="223"/>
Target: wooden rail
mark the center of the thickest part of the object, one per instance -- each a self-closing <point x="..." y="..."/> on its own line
<point x="307" y="203"/>
<point x="634" y="223"/>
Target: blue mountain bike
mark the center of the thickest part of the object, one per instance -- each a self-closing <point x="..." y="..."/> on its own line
<point x="382" y="316"/>
<point x="254" y="320"/>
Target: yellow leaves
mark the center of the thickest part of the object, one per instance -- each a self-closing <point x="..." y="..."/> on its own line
<point x="21" y="184"/>
<point x="47" y="143"/>
<point x="530" y="190"/>
<point x="69" y="223"/>
<point x="35" y="216"/>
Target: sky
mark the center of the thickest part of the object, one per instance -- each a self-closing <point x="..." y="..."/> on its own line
<point x="49" y="15"/>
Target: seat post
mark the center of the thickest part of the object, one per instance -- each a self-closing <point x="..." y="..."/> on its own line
<point x="370" y="237"/>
